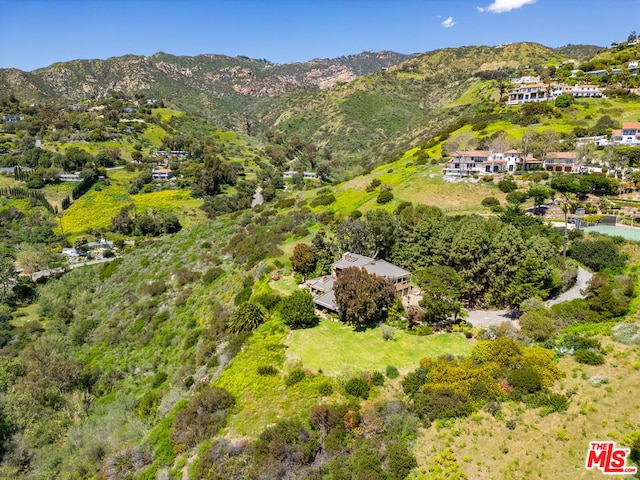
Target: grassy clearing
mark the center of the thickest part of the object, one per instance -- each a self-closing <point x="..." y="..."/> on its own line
<point x="334" y="347"/>
<point x="264" y="399"/>
<point x="96" y="208"/>
<point x="553" y="446"/>
<point x="419" y="184"/>
<point x="284" y="286"/>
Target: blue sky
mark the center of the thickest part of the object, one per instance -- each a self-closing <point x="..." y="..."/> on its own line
<point x="34" y="34"/>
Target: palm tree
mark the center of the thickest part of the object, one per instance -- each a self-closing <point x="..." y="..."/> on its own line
<point x="568" y="203"/>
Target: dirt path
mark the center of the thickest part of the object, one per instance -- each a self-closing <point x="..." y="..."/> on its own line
<point x="574" y="292"/>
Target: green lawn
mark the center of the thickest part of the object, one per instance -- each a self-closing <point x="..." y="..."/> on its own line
<point x="335" y="347"/>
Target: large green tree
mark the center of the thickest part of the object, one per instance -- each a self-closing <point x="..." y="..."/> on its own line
<point x="303" y="259"/>
<point x="441" y="288"/>
<point x="298" y="310"/>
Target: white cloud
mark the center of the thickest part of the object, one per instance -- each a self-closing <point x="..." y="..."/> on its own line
<point x="448" y="23"/>
<point x="501" y="6"/>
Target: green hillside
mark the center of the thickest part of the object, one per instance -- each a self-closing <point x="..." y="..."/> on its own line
<point x="191" y="350"/>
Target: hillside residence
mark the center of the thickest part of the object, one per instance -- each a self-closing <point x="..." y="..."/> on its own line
<point x="517" y="161"/>
<point x="540" y="92"/>
<point x="11" y="170"/>
<point x="172" y="153"/>
<point x="162" y="174"/>
<point x="560" y="162"/>
<point x="526" y="79"/>
<point x="322" y="287"/>
<point x="77" y="107"/>
<point x="629" y="134"/>
<point x="129" y="110"/>
<point x="69" y="177"/>
<point x="479" y="162"/>
<point x="11" y="118"/>
<point x="307" y="175"/>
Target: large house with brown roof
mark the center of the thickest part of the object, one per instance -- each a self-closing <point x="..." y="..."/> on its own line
<point x="564" y="162"/>
<point x="322" y="287"/>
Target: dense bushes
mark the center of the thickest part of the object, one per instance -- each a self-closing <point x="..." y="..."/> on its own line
<point x="298" y="310"/>
<point x="358" y="387"/>
<point x="507" y="185"/>
<point x="384" y="197"/>
<point x="450" y="387"/>
<point x="599" y="254"/>
<point x="205" y="413"/>
<point x="588" y="357"/>
<point x="326" y="199"/>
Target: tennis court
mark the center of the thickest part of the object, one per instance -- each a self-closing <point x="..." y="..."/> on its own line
<point x="629" y="233"/>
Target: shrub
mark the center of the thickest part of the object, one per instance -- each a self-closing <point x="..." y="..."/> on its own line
<point x="597" y="254"/>
<point x="298" y="309"/>
<point x="511" y="424"/>
<point x="388" y="333"/>
<point x="412" y="381"/>
<point x="441" y="403"/>
<point x="295" y="376"/>
<point x="507" y="185"/>
<point x="158" y="379"/>
<point x="205" y="413"/>
<point x="525" y="380"/>
<point x="537" y="325"/>
<point x="267" y="370"/>
<point x="400" y="461"/>
<point x="327" y="199"/>
<point x="325" y="388"/>
<point x="247" y="317"/>
<point x="357" y="387"/>
<point x="375" y="183"/>
<point x="156" y="288"/>
<point x="211" y="275"/>
<point x="516" y="197"/>
<point x="377" y="378"/>
<point x="392" y="372"/>
<point x="269" y="300"/>
<point x="490" y="202"/>
<point x="588" y="357"/>
<point x="384" y="197"/>
<point x="243" y="296"/>
<point x="286" y="203"/>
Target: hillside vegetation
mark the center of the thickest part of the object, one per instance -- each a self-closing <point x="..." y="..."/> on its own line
<point x="193" y="351"/>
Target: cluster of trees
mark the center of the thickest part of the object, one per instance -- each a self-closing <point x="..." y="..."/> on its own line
<point x="151" y="222"/>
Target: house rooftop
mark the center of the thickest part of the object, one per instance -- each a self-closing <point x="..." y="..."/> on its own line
<point x="327" y="300"/>
<point x="568" y="155"/>
<point x="382" y="268"/>
<point x="322" y="284"/>
<point x="631" y="125"/>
